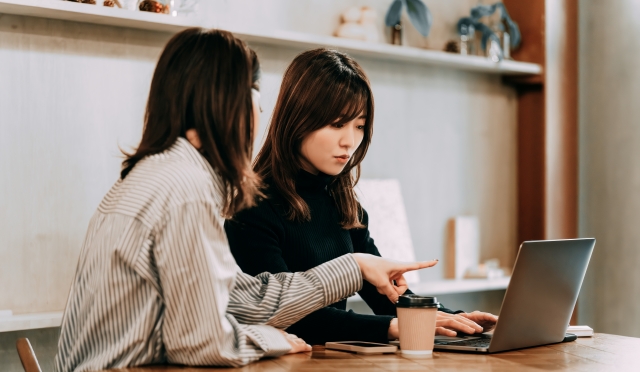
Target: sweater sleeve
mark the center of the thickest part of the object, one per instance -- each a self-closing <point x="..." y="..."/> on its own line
<point x="255" y="237"/>
<point x="331" y="324"/>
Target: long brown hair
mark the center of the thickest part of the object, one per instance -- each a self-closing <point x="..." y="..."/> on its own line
<point x="319" y="88"/>
<point x="203" y="81"/>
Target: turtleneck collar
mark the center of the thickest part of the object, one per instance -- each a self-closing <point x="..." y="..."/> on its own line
<point x="311" y="183"/>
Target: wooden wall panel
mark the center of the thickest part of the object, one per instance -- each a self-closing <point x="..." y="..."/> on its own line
<point x="531" y="163"/>
<point x="530" y="16"/>
<point x="531" y="20"/>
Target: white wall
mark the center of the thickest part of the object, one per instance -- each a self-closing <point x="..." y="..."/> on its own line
<point x="609" y="86"/>
<point x="71" y="94"/>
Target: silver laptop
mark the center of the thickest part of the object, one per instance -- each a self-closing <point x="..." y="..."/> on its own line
<point x="539" y="301"/>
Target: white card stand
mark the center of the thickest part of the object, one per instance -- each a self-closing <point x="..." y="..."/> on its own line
<point x="388" y="223"/>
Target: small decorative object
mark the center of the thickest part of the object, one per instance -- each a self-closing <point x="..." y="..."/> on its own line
<point x="451" y="47"/>
<point x="467" y="39"/>
<point x="358" y="23"/>
<point x="112" y="3"/>
<point x="396" y="34"/>
<point x="580" y="331"/>
<point x="463" y="246"/>
<point x="419" y="15"/>
<point x="491" y="42"/>
<point x="92" y="2"/>
<point x="154" y="6"/>
<point x="490" y="269"/>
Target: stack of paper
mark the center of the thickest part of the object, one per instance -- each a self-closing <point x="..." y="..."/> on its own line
<point x="581" y="331"/>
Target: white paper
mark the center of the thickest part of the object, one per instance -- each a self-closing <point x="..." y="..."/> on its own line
<point x="388" y="223"/>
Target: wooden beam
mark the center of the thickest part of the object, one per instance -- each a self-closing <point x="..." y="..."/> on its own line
<point x="530" y="16"/>
<point x="531" y="163"/>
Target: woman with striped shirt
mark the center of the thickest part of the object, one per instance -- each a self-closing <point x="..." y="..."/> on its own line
<point x="156" y="282"/>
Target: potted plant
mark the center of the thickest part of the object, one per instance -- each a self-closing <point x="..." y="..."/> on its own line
<point x="419" y="15"/>
<point x="490" y="35"/>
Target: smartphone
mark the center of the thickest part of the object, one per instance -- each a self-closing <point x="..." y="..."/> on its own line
<point x="361" y="347"/>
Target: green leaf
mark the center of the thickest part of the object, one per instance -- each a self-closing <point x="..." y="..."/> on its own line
<point x="393" y="14"/>
<point x="420" y="16"/>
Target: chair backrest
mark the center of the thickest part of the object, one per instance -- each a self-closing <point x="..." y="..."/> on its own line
<point x="27" y="356"/>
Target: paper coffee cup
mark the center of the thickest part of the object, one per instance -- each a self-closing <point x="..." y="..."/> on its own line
<point x="417" y="324"/>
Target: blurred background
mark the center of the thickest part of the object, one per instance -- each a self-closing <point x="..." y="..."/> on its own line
<point x="527" y="141"/>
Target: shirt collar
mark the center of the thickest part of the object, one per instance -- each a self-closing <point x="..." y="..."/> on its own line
<point x="184" y="150"/>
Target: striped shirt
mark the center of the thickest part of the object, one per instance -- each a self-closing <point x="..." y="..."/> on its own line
<point x="156" y="281"/>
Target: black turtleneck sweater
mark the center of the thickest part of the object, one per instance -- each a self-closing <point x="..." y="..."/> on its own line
<point x="262" y="239"/>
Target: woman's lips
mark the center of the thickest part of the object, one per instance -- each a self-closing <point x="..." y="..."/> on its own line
<point x="342" y="158"/>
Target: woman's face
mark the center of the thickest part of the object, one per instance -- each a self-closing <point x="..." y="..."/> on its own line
<point x="329" y="149"/>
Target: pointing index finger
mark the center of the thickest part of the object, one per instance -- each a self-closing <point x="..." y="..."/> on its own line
<point x="422" y="265"/>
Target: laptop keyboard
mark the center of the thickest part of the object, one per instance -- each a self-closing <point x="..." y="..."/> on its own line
<point x="476" y="342"/>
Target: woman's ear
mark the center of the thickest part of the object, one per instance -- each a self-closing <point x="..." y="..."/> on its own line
<point x="193" y="138"/>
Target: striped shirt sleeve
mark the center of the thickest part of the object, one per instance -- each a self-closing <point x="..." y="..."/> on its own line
<point x="216" y="315"/>
<point x="282" y="299"/>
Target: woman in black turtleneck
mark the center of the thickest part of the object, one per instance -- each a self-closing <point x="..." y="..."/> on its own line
<point x="319" y="134"/>
<point x="262" y="239"/>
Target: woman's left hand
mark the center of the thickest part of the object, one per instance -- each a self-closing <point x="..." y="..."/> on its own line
<point x="297" y="344"/>
<point x="485" y="320"/>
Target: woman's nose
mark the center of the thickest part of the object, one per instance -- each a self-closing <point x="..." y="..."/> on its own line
<point x="347" y="140"/>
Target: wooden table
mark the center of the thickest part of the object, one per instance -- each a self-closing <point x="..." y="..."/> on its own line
<point x="602" y="352"/>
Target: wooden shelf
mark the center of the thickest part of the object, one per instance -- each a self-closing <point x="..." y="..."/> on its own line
<point x="70" y="11"/>
<point x="30" y="321"/>
<point x="450" y="286"/>
<point x="86" y="13"/>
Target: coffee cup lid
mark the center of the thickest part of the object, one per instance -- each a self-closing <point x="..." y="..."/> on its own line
<point x="412" y="300"/>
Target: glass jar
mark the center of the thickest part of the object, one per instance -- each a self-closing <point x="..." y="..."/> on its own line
<point x="467" y="40"/>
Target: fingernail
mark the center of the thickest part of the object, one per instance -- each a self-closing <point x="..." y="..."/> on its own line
<point x="435" y="259"/>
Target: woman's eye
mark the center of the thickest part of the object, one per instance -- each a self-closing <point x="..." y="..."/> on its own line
<point x="360" y="127"/>
<point x="338" y="125"/>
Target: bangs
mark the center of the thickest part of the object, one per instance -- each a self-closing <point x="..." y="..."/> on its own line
<point x="348" y="101"/>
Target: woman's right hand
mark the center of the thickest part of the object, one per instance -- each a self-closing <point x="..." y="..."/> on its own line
<point x="382" y="273"/>
<point x="298" y="345"/>
<point x="450" y="324"/>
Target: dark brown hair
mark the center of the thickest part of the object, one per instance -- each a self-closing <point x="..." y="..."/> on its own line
<point x="203" y="81"/>
<point x="319" y="88"/>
